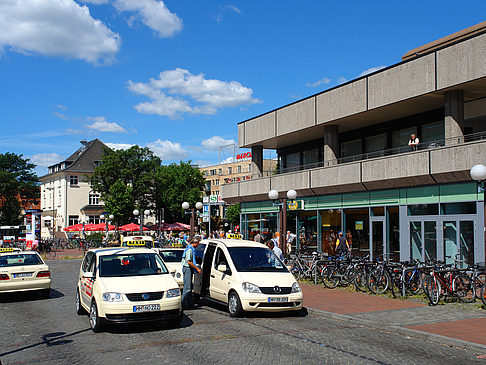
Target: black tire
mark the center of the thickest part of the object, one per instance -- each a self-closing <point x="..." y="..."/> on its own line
<point x="479" y="282"/>
<point x="234" y="305"/>
<point x="360" y="281"/>
<point x="51" y="254"/>
<point x="95" y="322"/>
<point x="413" y="282"/>
<point x="433" y="289"/>
<point x="396" y="286"/>
<point x="330" y="277"/>
<point x="175" y="322"/>
<point x="378" y="281"/>
<point x="79" y="308"/>
<point x="463" y="288"/>
<point x="482" y="294"/>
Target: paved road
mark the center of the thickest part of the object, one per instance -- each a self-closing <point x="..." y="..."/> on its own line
<point x="49" y="332"/>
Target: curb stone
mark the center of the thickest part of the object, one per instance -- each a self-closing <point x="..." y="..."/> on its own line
<point x="403" y="331"/>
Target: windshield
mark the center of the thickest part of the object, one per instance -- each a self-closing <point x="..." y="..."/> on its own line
<point x="20" y="260"/>
<point x="131" y="265"/>
<point x="256" y="259"/>
<point x="172" y="256"/>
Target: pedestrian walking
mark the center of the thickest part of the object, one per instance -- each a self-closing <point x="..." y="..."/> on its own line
<point x="342" y="245"/>
<point x="258" y="237"/>
<point x="189" y="268"/>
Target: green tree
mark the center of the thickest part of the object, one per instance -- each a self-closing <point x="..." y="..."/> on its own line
<point x="119" y="202"/>
<point x="135" y="168"/>
<point x="233" y="213"/>
<point x="17" y="183"/>
<point x="175" y="184"/>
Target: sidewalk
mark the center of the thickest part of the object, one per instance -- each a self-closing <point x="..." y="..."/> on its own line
<point x="460" y="325"/>
<point x="69" y="253"/>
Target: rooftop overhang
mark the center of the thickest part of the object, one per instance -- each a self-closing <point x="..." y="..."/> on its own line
<point x="405" y="89"/>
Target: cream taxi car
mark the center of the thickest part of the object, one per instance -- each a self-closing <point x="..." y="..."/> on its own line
<point x="173" y="260"/>
<point x="246" y="276"/>
<point x="23" y="271"/>
<point x="126" y="285"/>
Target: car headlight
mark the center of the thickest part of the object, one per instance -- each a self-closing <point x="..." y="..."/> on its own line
<point x="172" y="293"/>
<point x="251" y="288"/>
<point x="296" y="288"/>
<point x="112" y="297"/>
<point x="178" y="275"/>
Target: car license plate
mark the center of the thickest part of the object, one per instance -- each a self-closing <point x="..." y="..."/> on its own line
<point x="22" y="275"/>
<point x="146" y="308"/>
<point x="278" y="299"/>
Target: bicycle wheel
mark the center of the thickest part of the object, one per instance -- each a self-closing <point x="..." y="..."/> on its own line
<point x="433" y="289"/>
<point x="378" y="281"/>
<point x="397" y="286"/>
<point x="297" y="273"/>
<point x="330" y="277"/>
<point x="463" y="288"/>
<point x="51" y="254"/>
<point x="360" y="282"/>
<point x="413" y="282"/>
<point x="479" y="282"/>
<point x="483" y="294"/>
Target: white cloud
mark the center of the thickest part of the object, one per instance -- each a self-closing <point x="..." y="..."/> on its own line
<point x="96" y="2"/>
<point x="223" y="9"/>
<point x="203" y="163"/>
<point x="228" y="160"/>
<point x="215" y="142"/>
<point x="322" y="81"/>
<point x="192" y="94"/>
<point x="341" y="80"/>
<point x="233" y="8"/>
<point x="154" y="14"/>
<point x="119" y="146"/>
<point x="46" y="159"/>
<point x="100" y="124"/>
<point x="61" y="107"/>
<point x="168" y="150"/>
<point x="55" y="28"/>
<point x="371" y="70"/>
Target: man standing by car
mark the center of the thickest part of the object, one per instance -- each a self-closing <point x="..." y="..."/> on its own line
<point x="188" y="269"/>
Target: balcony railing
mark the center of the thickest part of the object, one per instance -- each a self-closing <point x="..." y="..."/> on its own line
<point x="382" y="153"/>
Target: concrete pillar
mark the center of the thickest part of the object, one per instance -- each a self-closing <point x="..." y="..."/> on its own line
<point x="331" y="145"/>
<point x="257" y="160"/>
<point x="454" y="116"/>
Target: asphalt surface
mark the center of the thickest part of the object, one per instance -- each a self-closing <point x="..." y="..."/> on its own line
<point x="39" y="331"/>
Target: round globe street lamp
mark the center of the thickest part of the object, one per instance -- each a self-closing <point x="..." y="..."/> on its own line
<point x="282" y="214"/>
<point x="478" y="173"/>
<point x="146" y="213"/>
<point x="186" y="206"/>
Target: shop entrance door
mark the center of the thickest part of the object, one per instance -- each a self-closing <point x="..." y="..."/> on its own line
<point x="377" y="237"/>
<point x="423" y="239"/>
<point x="458" y="240"/>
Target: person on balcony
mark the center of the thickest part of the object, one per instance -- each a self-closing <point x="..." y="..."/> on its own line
<point x="413" y="142"/>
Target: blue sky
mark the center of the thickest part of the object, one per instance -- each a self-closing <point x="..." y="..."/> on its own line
<point x="177" y="76"/>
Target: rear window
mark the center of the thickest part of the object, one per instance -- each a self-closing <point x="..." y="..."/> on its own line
<point x="172" y="256"/>
<point x="20" y="260"/>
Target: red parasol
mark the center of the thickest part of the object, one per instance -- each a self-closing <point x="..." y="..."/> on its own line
<point x="74" y="228"/>
<point x="132" y="227"/>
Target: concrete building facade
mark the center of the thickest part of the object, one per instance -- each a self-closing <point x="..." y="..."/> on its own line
<point x="345" y="151"/>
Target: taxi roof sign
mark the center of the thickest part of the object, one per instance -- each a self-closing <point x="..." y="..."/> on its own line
<point x="9" y="249"/>
<point x="235" y="236"/>
<point x="136" y="243"/>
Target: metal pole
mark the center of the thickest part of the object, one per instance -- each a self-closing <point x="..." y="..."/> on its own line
<point x="192" y="222"/>
<point x="283" y="227"/>
<point x="141" y="223"/>
<point x="209" y="229"/>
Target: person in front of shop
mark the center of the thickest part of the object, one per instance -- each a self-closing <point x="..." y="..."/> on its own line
<point x="413" y="142"/>
<point x="189" y="268"/>
<point x="342" y="245"/>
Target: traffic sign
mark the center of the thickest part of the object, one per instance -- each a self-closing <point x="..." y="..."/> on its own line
<point x="205" y="208"/>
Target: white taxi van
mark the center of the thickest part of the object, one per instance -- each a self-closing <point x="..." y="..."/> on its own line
<point x="173" y="260"/>
<point x="246" y="276"/>
<point x="23" y="271"/>
<point x="126" y="285"/>
<point x="137" y="241"/>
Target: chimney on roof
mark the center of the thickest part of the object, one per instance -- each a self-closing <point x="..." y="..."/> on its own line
<point x="84" y="143"/>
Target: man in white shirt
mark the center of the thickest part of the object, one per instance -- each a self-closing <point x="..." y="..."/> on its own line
<point x="276" y="250"/>
<point x="413" y="142"/>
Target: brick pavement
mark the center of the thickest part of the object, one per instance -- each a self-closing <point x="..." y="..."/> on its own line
<point x="455" y="321"/>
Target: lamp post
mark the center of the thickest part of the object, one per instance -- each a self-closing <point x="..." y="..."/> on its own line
<point x="51" y="189"/>
<point x="107" y="219"/>
<point x="185" y="206"/>
<point x="282" y="212"/>
<point x="146" y="213"/>
<point x="478" y="173"/>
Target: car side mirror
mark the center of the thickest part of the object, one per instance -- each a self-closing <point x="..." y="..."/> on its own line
<point x="223" y="268"/>
<point x="88" y="275"/>
<point x="172" y="271"/>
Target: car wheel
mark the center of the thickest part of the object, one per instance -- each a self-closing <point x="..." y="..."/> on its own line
<point x="234" y="305"/>
<point x="94" y="319"/>
<point x="175" y="322"/>
<point x="79" y="308"/>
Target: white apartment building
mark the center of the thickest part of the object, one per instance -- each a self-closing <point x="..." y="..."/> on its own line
<point x="66" y="195"/>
